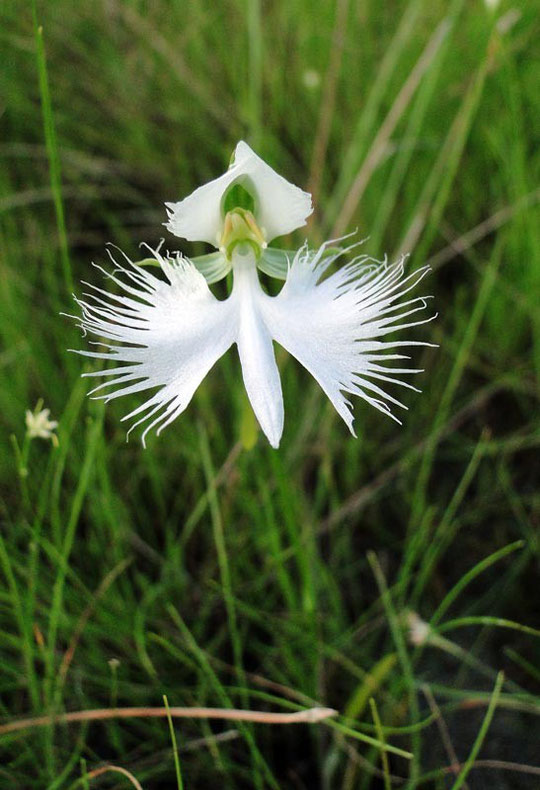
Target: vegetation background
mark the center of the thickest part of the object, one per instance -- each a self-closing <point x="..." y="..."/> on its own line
<point x="225" y="576"/>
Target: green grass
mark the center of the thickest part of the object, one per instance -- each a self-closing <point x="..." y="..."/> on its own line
<point x="216" y="575"/>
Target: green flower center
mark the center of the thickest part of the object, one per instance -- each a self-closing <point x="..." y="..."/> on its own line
<point x="240" y="227"/>
<point x="237" y="196"/>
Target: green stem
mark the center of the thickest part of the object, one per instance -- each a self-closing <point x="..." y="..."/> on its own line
<point x="477" y="745"/>
<point x="52" y="151"/>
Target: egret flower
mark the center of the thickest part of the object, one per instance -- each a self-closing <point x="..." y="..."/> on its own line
<point x="166" y="332"/>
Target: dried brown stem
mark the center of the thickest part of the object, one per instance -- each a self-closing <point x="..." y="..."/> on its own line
<point x="309" y="716"/>
<point x="443" y="729"/>
<point x="501" y="765"/>
<point x="356" y="502"/>
<point x="114" y="769"/>
<point x="85" y="616"/>
<point x="380" y="143"/>
<point x="172" y="55"/>
<point x="461" y="244"/>
<point x="328" y="102"/>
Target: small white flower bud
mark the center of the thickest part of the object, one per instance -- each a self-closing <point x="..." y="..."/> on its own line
<point x="419" y="630"/>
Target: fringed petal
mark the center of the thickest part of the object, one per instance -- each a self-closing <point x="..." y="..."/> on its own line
<point x="165" y="334"/>
<point x="335" y="326"/>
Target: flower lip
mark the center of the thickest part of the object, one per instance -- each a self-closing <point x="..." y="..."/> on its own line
<point x="279" y="206"/>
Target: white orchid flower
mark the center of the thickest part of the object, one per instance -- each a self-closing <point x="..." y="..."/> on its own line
<point x="38" y="424"/>
<point x="168" y="331"/>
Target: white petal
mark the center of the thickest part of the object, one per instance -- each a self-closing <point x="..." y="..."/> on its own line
<point x="213" y="267"/>
<point x="275" y="263"/>
<point x="280" y="207"/>
<point x="166" y="335"/>
<point x="259" y="369"/>
<point x="334" y="327"/>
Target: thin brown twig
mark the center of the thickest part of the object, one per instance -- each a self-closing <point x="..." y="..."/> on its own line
<point x="443" y="729"/>
<point x="503" y="765"/>
<point x="228" y="465"/>
<point x="525" y="301"/>
<point x="453" y="144"/>
<point x="172" y="56"/>
<point x="220" y="478"/>
<point x="308" y="716"/>
<point x="380" y="143"/>
<point x="209" y="740"/>
<point x="357" y="501"/>
<point x="461" y="244"/>
<point x="328" y="102"/>
<point x="272" y="685"/>
<point x="480" y="702"/>
<point x="357" y="760"/>
<point x="85" y="616"/>
<point x="114" y="769"/>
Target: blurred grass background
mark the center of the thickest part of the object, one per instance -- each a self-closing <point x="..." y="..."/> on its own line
<point x="275" y="580"/>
